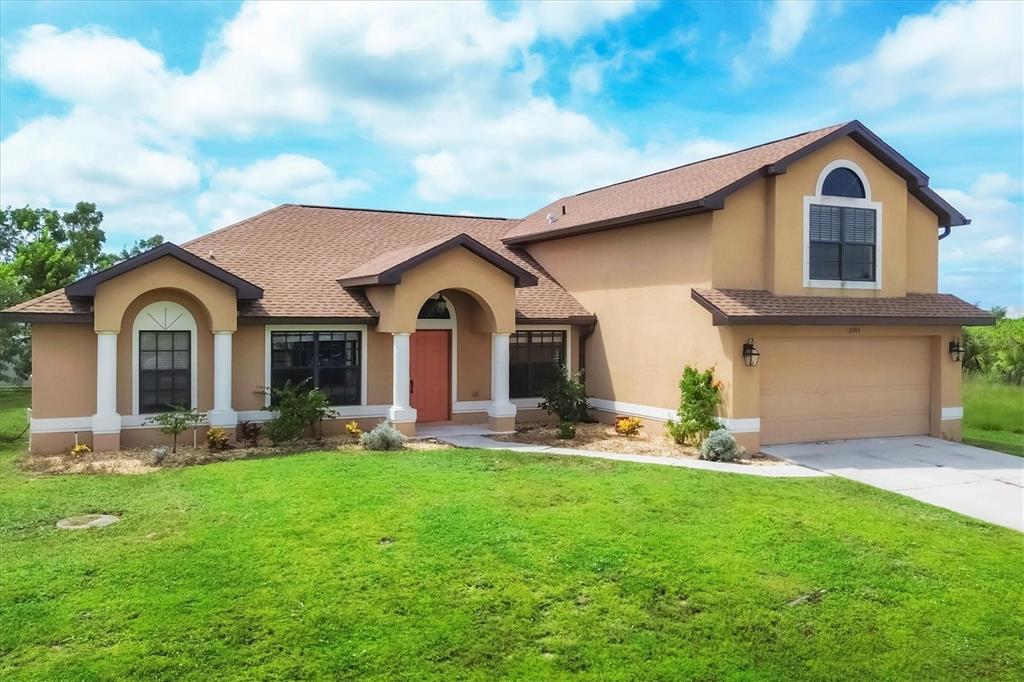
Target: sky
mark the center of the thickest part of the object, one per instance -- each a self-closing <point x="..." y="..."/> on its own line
<point x="178" y="118"/>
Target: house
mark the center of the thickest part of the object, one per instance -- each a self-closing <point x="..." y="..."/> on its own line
<point x="804" y="270"/>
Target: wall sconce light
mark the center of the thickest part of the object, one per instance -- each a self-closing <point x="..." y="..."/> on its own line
<point x="750" y="354"/>
<point x="956" y="350"/>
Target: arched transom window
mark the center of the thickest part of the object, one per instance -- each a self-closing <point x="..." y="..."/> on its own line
<point x="843" y="230"/>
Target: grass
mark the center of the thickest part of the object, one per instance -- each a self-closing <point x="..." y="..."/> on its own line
<point x="480" y="565"/>
<point x="994" y="415"/>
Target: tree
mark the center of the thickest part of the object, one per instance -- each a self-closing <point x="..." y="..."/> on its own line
<point x="42" y="250"/>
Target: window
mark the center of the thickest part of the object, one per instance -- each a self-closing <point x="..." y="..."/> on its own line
<point x="843" y="182"/>
<point x="329" y="360"/>
<point x="165" y="370"/>
<point x="533" y="358"/>
<point x="842" y="243"/>
<point x="435" y="308"/>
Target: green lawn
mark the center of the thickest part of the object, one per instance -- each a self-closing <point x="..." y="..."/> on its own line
<point x="994" y="415"/>
<point x="480" y="565"/>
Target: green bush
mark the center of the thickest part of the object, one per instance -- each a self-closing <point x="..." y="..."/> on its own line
<point x="997" y="352"/>
<point x="700" y="398"/>
<point x="383" y="437"/>
<point x="217" y="439"/>
<point x="566" y="430"/>
<point x="176" y="422"/>
<point x="297" y="410"/>
<point x="720" y="446"/>
<point x="566" y="396"/>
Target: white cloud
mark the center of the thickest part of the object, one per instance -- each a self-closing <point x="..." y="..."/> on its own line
<point x="983" y="261"/>
<point x="955" y="51"/>
<point x="236" y="193"/>
<point x="55" y="161"/>
<point x="786" y="23"/>
<point x="587" y="78"/>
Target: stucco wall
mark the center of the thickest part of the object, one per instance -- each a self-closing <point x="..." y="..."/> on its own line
<point x="248" y="367"/>
<point x="922" y="248"/>
<point x="63" y="370"/>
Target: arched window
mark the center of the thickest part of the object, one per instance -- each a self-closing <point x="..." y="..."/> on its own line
<point x="843" y="182"/>
<point x="842" y="230"/>
<point x="163" y="358"/>
<point x="435" y="308"/>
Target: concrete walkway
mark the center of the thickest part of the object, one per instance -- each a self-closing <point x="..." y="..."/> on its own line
<point x="767" y="470"/>
<point x="984" y="484"/>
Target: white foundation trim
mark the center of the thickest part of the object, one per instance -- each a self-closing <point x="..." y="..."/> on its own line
<point x="750" y="425"/>
<point x="462" y="406"/>
<point x="61" y="424"/>
<point x="632" y="409"/>
<point x="363" y="353"/>
<point x="949" y="413"/>
<point x="527" y="403"/>
<point x="166" y="316"/>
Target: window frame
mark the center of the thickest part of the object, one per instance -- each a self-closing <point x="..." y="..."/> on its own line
<point x="532" y="401"/>
<point x="164" y="316"/>
<point x="268" y="353"/>
<point x="162" y="407"/>
<point x="843" y="202"/>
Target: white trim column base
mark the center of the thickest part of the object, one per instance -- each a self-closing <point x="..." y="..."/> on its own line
<point x="400" y="412"/>
<point x="106" y="423"/>
<point x="106" y="420"/>
<point x="401" y="415"/>
<point x="222" y="418"/>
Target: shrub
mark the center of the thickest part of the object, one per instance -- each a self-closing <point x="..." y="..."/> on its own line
<point x="566" y="430"/>
<point x="700" y="398"/>
<point x="177" y="421"/>
<point x="997" y="352"/>
<point x="217" y="439"/>
<point x="79" y="450"/>
<point x="352" y="429"/>
<point x="249" y="433"/>
<point x="566" y="396"/>
<point x="628" y="426"/>
<point x="297" y="409"/>
<point x="384" y="437"/>
<point x="720" y="446"/>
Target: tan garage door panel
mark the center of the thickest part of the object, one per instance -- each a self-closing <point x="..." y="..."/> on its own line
<point x="834" y="388"/>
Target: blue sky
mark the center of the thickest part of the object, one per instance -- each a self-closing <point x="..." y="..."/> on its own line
<point x="181" y="117"/>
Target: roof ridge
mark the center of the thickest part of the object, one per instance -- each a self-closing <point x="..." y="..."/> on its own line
<point x="390" y="210"/>
<point x="835" y="126"/>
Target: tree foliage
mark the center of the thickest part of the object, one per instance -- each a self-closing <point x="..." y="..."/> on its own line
<point x="176" y="422"/>
<point x="566" y="396"/>
<point x="996" y="352"/>
<point x="42" y="250"/>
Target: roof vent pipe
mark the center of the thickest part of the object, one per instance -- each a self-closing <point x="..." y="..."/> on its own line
<point x="563" y="209"/>
<point x="551" y="218"/>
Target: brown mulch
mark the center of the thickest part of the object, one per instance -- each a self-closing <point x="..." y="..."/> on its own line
<point x="602" y="438"/>
<point x="140" y="460"/>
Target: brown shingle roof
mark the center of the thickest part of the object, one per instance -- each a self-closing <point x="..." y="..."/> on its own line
<point x="755" y="306"/>
<point x="297" y="253"/>
<point x="703" y="186"/>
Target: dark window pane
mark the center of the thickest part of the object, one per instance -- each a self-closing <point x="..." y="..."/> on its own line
<point x="533" y="357"/>
<point x="329" y="360"/>
<point x="165" y="374"/>
<point x="824" y="261"/>
<point x="843" y="182"/>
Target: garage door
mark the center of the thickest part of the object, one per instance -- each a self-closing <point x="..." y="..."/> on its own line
<point x="833" y="388"/>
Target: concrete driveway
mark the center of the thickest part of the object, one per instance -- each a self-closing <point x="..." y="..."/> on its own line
<point x="972" y="481"/>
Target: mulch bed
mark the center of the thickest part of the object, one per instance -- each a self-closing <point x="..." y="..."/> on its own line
<point x="602" y="438"/>
<point x="140" y="460"/>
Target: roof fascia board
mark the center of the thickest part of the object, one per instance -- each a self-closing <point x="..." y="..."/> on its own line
<point x="393" y="275"/>
<point x="86" y="287"/>
<point x="29" y="318"/>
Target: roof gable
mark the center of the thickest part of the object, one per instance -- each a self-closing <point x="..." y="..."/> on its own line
<point x="86" y="287"/>
<point x="388" y="267"/>
<point x="704" y="185"/>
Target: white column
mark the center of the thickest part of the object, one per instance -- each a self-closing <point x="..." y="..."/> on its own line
<point x="106" y="419"/>
<point x="222" y="414"/>
<point x="400" y="410"/>
<point x="500" y="404"/>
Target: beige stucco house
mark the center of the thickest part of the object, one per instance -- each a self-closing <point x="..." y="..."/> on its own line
<point x="815" y="255"/>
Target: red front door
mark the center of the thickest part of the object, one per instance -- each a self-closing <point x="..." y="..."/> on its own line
<point x="430" y="373"/>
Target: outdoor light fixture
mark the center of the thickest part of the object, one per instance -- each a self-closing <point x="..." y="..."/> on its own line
<point x="956" y="349"/>
<point x="751" y="354"/>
